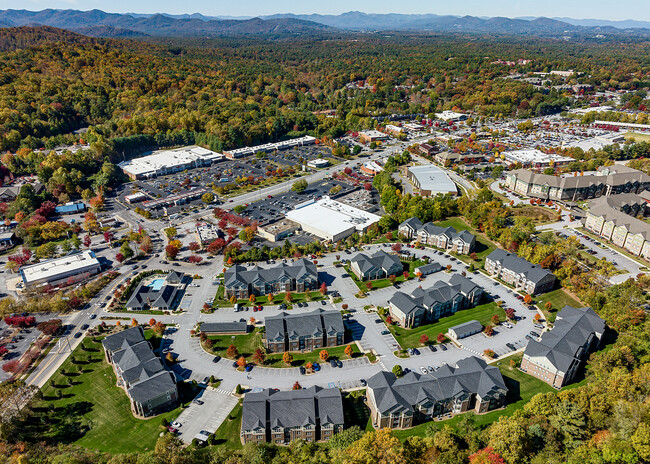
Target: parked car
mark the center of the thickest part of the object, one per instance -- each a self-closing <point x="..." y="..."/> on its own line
<point x="443" y="347"/>
<point x="323" y="302"/>
<point x="423" y="370"/>
<point x="332" y="363"/>
<point x="216" y="359"/>
<point x="385" y="332"/>
<point x="316" y="367"/>
<point x="303" y="371"/>
<point x="416" y="351"/>
<point x="432" y="348"/>
<point x="199" y="402"/>
<point x="339" y="364"/>
<point x="363" y="382"/>
<point x="93" y="316"/>
<point x="176" y="424"/>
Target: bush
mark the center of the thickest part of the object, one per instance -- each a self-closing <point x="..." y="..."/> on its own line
<point x="239" y="390"/>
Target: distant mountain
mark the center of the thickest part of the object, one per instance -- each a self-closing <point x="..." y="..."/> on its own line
<point x="25" y="36"/>
<point x="625" y="24"/>
<point x="158" y="24"/>
<point x="108" y="31"/>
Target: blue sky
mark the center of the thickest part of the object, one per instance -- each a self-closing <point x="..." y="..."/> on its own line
<point x="598" y="9"/>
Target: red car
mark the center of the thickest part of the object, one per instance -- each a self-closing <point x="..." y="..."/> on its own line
<point x="172" y="429"/>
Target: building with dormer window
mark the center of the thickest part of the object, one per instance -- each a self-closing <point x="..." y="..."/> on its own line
<point x="303" y="332"/>
<point x="446" y="238"/>
<point x="516" y="271"/>
<point x="299" y="276"/>
<point x="378" y="265"/>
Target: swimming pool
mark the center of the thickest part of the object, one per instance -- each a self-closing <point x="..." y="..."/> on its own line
<point x="157" y="284"/>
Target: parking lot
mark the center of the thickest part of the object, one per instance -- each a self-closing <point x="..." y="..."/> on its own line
<point x="17" y="341"/>
<point x="208" y="416"/>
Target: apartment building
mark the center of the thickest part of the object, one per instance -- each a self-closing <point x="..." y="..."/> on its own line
<point x="299" y="276"/>
<point x="446" y="238"/>
<point x="303" y="331"/>
<point x="378" y="265"/>
<point x="519" y="273"/>
<point x="471" y="385"/>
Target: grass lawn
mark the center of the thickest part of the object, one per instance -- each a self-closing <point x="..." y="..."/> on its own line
<point x="219" y="302"/>
<point x="521" y="388"/>
<point x="483" y="246"/>
<point x="227" y="434"/>
<point x="637" y="137"/>
<point x="355" y="410"/>
<point x="247" y="344"/>
<point x="93" y="412"/>
<point x="409" y="338"/>
<point x="559" y="299"/>
<point x="383" y="283"/>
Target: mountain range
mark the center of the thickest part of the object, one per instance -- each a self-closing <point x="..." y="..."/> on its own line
<point x="102" y="24"/>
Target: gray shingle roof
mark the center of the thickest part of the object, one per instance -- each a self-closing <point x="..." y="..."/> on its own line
<point x="295" y="408"/>
<point x="122" y="339"/>
<point x="467" y="328"/>
<point x="470" y="376"/>
<point x="224" y="327"/>
<point x="439" y="292"/>
<point x="133" y="356"/>
<point x="309" y="324"/>
<point x="608" y="208"/>
<point x="563" y="345"/>
<point x="297" y="270"/>
<point x="154" y="386"/>
<point x="432" y="229"/>
<point x="380" y="260"/>
<point x="514" y="263"/>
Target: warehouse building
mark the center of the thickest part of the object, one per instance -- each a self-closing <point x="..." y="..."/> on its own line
<point x="331" y="220"/>
<point x="431" y="180"/>
<point x="71" y="268"/>
<point x="270" y="147"/>
<point x="535" y="158"/>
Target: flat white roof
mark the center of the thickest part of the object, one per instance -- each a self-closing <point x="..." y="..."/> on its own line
<point x="50" y="269"/>
<point x="373" y="133"/>
<point x="331" y="216"/>
<point x="306" y="140"/>
<point x="535" y="156"/>
<point x="164" y="159"/>
<point x="447" y="115"/>
<point x="433" y="178"/>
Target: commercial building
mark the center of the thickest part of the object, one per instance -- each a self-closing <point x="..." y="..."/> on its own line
<point x="135" y="198"/>
<point x="471" y="385"/>
<point x="318" y="163"/>
<point x="369" y="136"/>
<point x="304" y="331"/>
<point x="372" y="168"/>
<point x="452" y="116"/>
<point x="299" y="276"/>
<point x="535" y="158"/>
<point x="615" y="219"/>
<point x="466" y="329"/>
<point x="150" y="388"/>
<point x="446" y="238"/>
<point x="7" y="239"/>
<point x="207" y="233"/>
<point x="427" y="149"/>
<point x="331" y="220"/>
<point x="430" y="180"/>
<point x="557" y="357"/>
<point x="174" y="200"/>
<point x="163" y="162"/>
<point x="607" y="180"/>
<point x="379" y="265"/>
<point x="162" y="294"/>
<point x="66" y="270"/>
<point x="519" y="273"/>
<point x="394" y="130"/>
<point x="272" y="416"/>
<point x="623" y="125"/>
<point x="278" y="230"/>
<point x="448" y="158"/>
<point x="71" y="207"/>
<point x="270" y="147"/>
<point x="442" y="299"/>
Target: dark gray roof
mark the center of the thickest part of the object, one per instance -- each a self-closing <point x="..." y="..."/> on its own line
<point x="470" y="376"/>
<point x="142" y="371"/>
<point x="224" y="327"/>
<point x="380" y="260"/>
<point x="514" y="263"/>
<point x="430" y="268"/>
<point x="607" y="175"/>
<point x="297" y="270"/>
<point x="439" y="292"/>
<point x="313" y="323"/>
<point x="121" y="340"/>
<point x="432" y="229"/>
<point x="563" y="345"/>
<point x="156" y="385"/>
<point x="413" y="222"/>
<point x="295" y="408"/>
<point x="133" y="356"/>
<point x="467" y="328"/>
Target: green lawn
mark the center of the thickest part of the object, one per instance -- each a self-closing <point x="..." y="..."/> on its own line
<point x="409" y="338"/>
<point x="247" y="344"/>
<point x="483" y="246"/>
<point x="559" y="299"/>
<point x="637" y="137"/>
<point x="227" y="434"/>
<point x="93" y="412"/>
<point x="521" y="388"/>
<point x="383" y="283"/>
<point x="219" y="302"/>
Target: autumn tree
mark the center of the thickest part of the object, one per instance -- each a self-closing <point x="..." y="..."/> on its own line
<point x="528" y="299"/>
<point x="323" y="355"/>
<point x="259" y="356"/>
<point x="349" y="351"/>
<point x="424" y="339"/>
<point x="287" y="358"/>
<point x="323" y="289"/>
<point x="296" y="386"/>
<point x="232" y="352"/>
<point x="241" y="362"/>
<point x="440" y="338"/>
<point x="495" y="319"/>
<point x="488" y="330"/>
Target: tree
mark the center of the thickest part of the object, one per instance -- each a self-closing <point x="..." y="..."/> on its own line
<point x="296" y="386"/>
<point x="152" y="322"/>
<point x="288" y="297"/>
<point x="287" y="358"/>
<point x="510" y="313"/>
<point x="640" y="440"/>
<point x="259" y="356"/>
<point x="119" y="257"/>
<point x="232" y="352"/>
<point x="126" y="251"/>
<point x="233" y="299"/>
<point x="252" y="298"/>
<point x="194" y="246"/>
<point x="448" y="267"/>
<point x="397" y="370"/>
<point x="406" y="275"/>
<point x="488" y="330"/>
<point x="486" y="456"/>
<point x="241" y="362"/>
<point x="207" y="198"/>
<point x="344" y="306"/>
<point x="548" y="305"/>
<point x="528" y="299"/>
<point x="440" y="338"/>
<point x="349" y="351"/>
<point x="396" y="247"/>
<point x="495" y="319"/>
<point x="269" y="297"/>
<point x="424" y="339"/>
<point x="537" y="317"/>
<point x="369" y="285"/>
<point x="299" y="186"/>
<point x="171" y="232"/>
<point x="171" y="251"/>
<point x="108" y="236"/>
<point x="323" y="289"/>
<point x="392" y="279"/>
<point x="323" y="355"/>
<point x="489" y="353"/>
<point x="87" y="241"/>
<point x="133" y="322"/>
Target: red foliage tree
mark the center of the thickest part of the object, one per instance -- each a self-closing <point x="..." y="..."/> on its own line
<point x="323" y="288"/>
<point x="440" y="338"/>
<point x="486" y="456"/>
<point x="10" y="366"/>
<point x="108" y="236"/>
<point x="119" y="257"/>
<point x="194" y="246"/>
<point x="171" y="251"/>
<point x="87" y="241"/>
<point x="424" y="339"/>
<point x="397" y="247"/>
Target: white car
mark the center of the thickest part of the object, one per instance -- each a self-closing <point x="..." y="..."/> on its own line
<point x="423" y="370"/>
<point x="176" y="424"/>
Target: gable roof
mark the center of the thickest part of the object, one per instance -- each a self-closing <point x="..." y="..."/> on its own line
<point x="299" y="269"/>
<point x="470" y="376"/>
<point x="379" y="260"/>
<point x="564" y="343"/>
<point x="313" y="323"/>
<point x="440" y="292"/>
<point x="514" y="263"/>
<point x="156" y="385"/>
<point x="121" y="340"/>
<point x="467" y="328"/>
